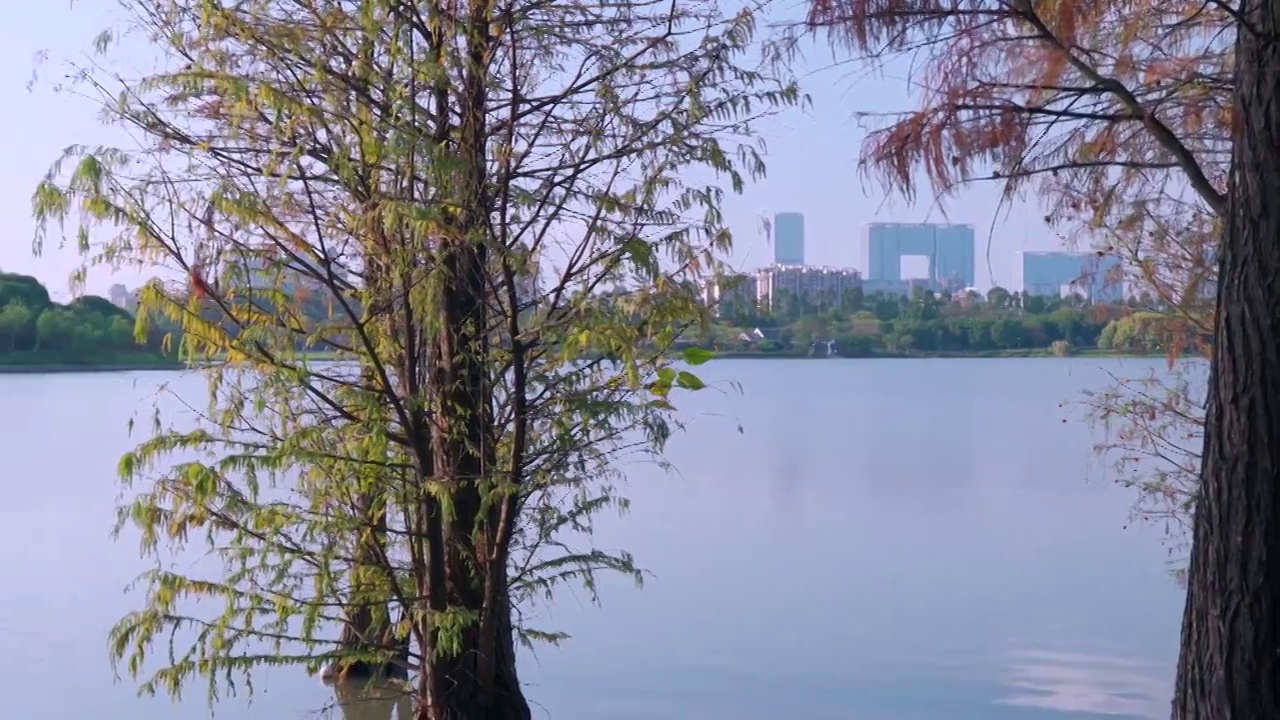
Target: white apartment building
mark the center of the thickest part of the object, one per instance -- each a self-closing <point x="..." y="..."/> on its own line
<point x="731" y="294"/>
<point x="816" y="284"/>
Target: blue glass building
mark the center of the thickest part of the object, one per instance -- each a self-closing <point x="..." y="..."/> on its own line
<point x="788" y="238"/>
<point x="949" y="249"/>
<point x="1094" y="277"/>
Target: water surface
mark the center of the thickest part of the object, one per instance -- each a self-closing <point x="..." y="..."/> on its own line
<point x="888" y="540"/>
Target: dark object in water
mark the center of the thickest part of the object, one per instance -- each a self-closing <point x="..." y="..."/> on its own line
<point x="397" y="668"/>
<point x="335" y="672"/>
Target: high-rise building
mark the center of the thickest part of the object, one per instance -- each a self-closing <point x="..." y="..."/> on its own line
<point x="949" y="249"/>
<point x="1060" y="274"/>
<point x="788" y="238"/>
<point x="122" y="297"/>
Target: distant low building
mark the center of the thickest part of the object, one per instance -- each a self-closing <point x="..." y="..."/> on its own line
<point x="1061" y="274"/>
<point x="731" y="295"/>
<point x="756" y="335"/>
<point x="817" y="285"/>
<point x="122" y="297"/>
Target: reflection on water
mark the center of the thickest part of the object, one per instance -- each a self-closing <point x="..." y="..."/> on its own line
<point x="1081" y="683"/>
<point x="879" y="542"/>
<point x="358" y="700"/>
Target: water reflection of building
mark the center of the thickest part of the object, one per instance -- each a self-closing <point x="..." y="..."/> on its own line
<point x="1086" y="684"/>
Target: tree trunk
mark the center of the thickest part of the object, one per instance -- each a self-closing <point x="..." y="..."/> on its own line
<point x="1229" y="667"/>
<point x="480" y="681"/>
<point x="467" y="694"/>
<point x="368" y="623"/>
<point x="476" y="679"/>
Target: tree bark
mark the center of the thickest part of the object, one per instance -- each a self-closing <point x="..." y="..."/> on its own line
<point x="480" y="681"/>
<point x="1229" y="666"/>
<point x="469" y="695"/>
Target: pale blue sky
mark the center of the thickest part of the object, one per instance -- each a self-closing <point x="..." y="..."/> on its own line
<point x="812" y="156"/>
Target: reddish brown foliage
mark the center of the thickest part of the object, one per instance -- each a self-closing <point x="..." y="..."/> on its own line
<point x="1117" y="112"/>
<point x="198" y="286"/>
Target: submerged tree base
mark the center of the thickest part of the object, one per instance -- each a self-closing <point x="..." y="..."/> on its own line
<point x="335" y="672"/>
<point x="373" y="700"/>
<point x="396" y="668"/>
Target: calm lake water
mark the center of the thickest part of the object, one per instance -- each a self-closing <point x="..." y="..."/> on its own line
<point x="885" y="540"/>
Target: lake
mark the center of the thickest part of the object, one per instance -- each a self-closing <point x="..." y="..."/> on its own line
<point x="883" y="540"/>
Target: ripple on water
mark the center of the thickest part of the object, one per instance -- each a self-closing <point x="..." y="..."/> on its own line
<point x="1086" y="683"/>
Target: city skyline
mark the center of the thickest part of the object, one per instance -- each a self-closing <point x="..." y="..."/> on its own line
<point x="949" y="251"/>
<point x="949" y="260"/>
<point x="812" y="164"/>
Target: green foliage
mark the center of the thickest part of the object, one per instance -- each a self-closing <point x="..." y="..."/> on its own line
<point x="1151" y="333"/>
<point x="696" y="355"/>
<point x="23" y="289"/>
<point x="500" y="256"/>
<point x="89" y="330"/>
<point x="101" y="306"/>
<point x="925" y="323"/>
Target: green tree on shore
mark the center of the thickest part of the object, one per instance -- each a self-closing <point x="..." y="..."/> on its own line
<point x="461" y="184"/>
<point x="88" y="330"/>
<point x="939" y="323"/>
<point x="16" y="320"/>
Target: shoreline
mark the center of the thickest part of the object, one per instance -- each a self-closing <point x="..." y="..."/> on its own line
<point x="992" y="355"/>
<point x="66" y="368"/>
<point x="69" y="368"/>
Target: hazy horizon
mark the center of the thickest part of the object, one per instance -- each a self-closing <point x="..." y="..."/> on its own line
<point x="812" y="160"/>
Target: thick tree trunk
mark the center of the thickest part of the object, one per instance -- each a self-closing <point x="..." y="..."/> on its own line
<point x="476" y="680"/>
<point x="468" y="695"/>
<point x="480" y="681"/>
<point x="368" y="621"/>
<point x="1229" y="667"/>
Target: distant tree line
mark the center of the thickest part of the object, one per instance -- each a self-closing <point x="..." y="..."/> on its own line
<point x="92" y="329"/>
<point x="88" y="329"/>
<point x="862" y="325"/>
